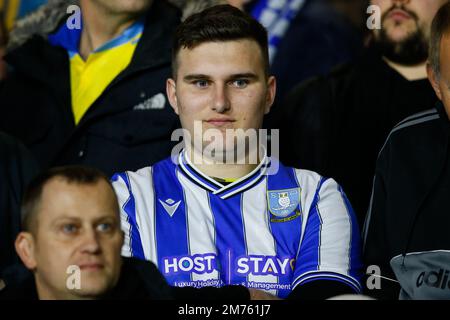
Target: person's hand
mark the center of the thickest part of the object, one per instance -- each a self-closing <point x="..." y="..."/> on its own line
<point x="256" y="294"/>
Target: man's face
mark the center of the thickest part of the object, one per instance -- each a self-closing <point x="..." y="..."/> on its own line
<point x="441" y="84"/>
<point x="221" y="85"/>
<point x="124" y="6"/>
<point x="77" y="225"/>
<point x="405" y="29"/>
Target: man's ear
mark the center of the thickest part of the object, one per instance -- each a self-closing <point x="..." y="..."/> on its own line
<point x="171" y="89"/>
<point x="25" y="248"/>
<point x="271" y="91"/>
<point x="434" y="80"/>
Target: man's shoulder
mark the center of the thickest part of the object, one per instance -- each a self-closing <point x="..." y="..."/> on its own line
<point x="418" y="121"/>
<point x="20" y="286"/>
<point x="141" y="279"/>
<point x="416" y="129"/>
<point x="145" y="173"/>
<point x="306" y="179"/>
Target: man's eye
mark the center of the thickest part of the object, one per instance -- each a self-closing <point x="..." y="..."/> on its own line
<point x="201" y="83"/>
<point x="105" y="227"/>
<point x="240" y="83"/>
<point x="69" y="228"/>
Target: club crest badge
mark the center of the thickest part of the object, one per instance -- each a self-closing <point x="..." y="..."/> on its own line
<point x="282" y="203"/>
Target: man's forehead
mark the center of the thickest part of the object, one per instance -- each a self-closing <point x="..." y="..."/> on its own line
<point x="234" y="56"/>
<point x="61" y="197"/>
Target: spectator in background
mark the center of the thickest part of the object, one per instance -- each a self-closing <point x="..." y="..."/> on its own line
<point x="337" y="124"/>
<point x="71" y="227"/>
<point x="406" y="232"/>
<point x="306" y="38"/>
<point x="93" y="95"/>
<point x="17" y="167"/>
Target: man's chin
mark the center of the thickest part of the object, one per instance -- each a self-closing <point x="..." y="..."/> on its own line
<point x="404" y="48"/>
<point x="92" y="290"/>
<point x="397" y="33"/>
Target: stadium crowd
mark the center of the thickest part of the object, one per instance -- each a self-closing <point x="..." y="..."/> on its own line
<point x="334" y="182"/>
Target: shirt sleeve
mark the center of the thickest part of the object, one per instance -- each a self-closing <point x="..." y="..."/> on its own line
<point x="132" y="246"/>
<point x="330" y="248"/>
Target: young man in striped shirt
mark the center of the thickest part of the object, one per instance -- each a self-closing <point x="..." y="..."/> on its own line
<point x="223" y="212"/>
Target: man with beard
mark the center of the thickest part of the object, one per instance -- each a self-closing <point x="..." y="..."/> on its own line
<point x="337" y="124"/>
<point x="406" y="230"/>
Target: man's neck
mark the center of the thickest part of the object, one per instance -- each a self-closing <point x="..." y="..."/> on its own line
<point x="410" y="73"/>
<point x="223" y="171"/>
<point x="100" y="26"/>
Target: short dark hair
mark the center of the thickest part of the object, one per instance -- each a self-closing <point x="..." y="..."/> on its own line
<point x="70" y="174"/>
<point x="439" y="26"/>
<point x="217" y="24"/>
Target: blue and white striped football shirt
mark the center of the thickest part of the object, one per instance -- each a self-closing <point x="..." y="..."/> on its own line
<point x="269" y="232"/>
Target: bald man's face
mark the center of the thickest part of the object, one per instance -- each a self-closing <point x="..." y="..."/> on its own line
<point x="78" y="228"/>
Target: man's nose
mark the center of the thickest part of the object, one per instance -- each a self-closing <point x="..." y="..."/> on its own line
<point x="221" y="102"/>
<point x="400" y="1"/>
<point x="90" y="242"/>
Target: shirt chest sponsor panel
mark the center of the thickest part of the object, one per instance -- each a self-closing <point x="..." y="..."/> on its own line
<point x="204" y="240"/>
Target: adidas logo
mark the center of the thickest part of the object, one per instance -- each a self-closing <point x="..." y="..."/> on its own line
<point x="170" y="206"/>
<point x="434" y="279"/>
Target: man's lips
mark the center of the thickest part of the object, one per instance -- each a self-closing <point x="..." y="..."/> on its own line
<point x="398" y="14"/>
<point x="220" y="122"/>
<point x="91" y="266"/>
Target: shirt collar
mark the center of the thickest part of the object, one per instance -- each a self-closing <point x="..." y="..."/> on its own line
<point x="223" y="191"/>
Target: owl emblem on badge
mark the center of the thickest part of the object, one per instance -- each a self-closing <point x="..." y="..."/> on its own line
<point x="282" y="203"/>
<point x="284" y="200"/>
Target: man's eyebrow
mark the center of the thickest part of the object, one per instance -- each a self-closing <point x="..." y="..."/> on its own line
<point x="66" y="218"/>
<point x="247" y="75"/>
<point x="104" y="217"/>
<point x="191" y="77"/>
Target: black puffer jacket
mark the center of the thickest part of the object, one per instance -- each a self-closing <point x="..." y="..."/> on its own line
<point x="129" y="126"/>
